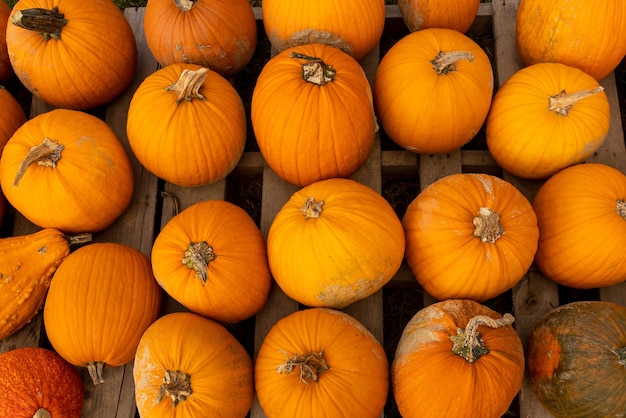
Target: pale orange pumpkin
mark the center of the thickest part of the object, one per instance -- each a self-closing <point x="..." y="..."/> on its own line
<point x="451" y="14"/>
<point x="6" y="70"/>
<point x="470" y="236"/>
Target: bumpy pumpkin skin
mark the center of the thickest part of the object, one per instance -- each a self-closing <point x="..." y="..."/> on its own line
<point x="357" y="367"/>
<point x="5" y="64"/>
<point x="533" y="133"/>
<point x="93" y="59"/>
<point x="11" y="117"/>
<point x="37" y="379"/>
<point x="577" y="360"/>
<point x="462" y="389"/>
<point x="218" y="367"/>
<point x="581" y="214"/>
<point x="428" y="108"/>
<point x="450" y="256"/>
<point x="451" y="14"/>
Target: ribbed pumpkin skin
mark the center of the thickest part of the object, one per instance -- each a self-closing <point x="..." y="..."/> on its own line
<point x="530" y="140"/>
<point x="219" y="368"/>
<point x="91" y="63"/>
<point x="309" y="132"/>
<point x="219" y="34"/>
<point x="451" y="14"/>
<point x="101" y="300"/>
<point x="349" y="252"/>
<point x="355" y="383"/>
<point x="5" y="64"/>
<point x="576" y="357"/>
<point x="354" y="26"/>
<point x="426" y="112"/>
<point x="36" y="378"/>
<point x="581" y="213"/>
<point x="11" y="117"/>
<point x="187" y="143"/>
<point x="572" y="32"/>
<point x="91" y="185"/>
<point x="446" y="256"/>
<point x="461" y="389"/>
<point x="238" y="278"/>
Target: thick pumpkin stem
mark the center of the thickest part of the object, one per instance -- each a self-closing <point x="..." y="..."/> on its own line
<point x="621" y="356"/>
<point x="188" y="85"/>
<point x="311" y="208"/>
<point x="46" y="22"/>
<point x="487" y="225"/>
<point x="620" y="208"/>
<point x="561" y="103"/>
<point x="96" y="370"/>
<point x="445" y="62"/>
<point x="42" y="413"/>
<point x="184" y="5"/>
<point x="48" y="153"/>
<point x="176" y="386"/>
<point x="197" y="257"/>
<point x="468" y="343"/>
<point x="315" y="70"/>
<point x="311" y="366"/>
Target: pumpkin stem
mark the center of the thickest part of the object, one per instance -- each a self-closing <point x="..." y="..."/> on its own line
<point x="176" y="385"/>
<point x="48" y="153"/>
<point x="468" y="343"/>
<point x="487" y="225"/>
<point x="43" y="21"/>
<point x="96" y="369"/>
<point x="315" y="70"/>
<point x="188" y="85"/>
<point x="75" y="240"/>
<point x="42" y="413"/>
<point x="184" y="5"/>
<point x="175" y="202"/>
<point x="561" y="103"/>
<point x="311" y="208"/>
<point x="197" y="257"/>
<point x="445" y="62"/>
<point x="620" y="208"/>
<point x="311" y="366"/>
<point x="621" y="356"/>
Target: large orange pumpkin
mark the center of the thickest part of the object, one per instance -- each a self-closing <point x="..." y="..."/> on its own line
<point x="66" y="169"/>
<point x="572" y="32"/>
<point x="433" y="90"/>
<point x="312" y="114"/>
<point x="546" y="117"/>
<point x="218" y="34"/>
<point x="334" y="242"/>
<point x="187" y="125"/>
<point x="11" y="117"/>
<point x="212" y="258"/>
<point x="451" y="14"/>
<point x="71" y="53"/>
<point x="354" y="26"/>
<point x="457" y="359"/>
<point x="470" y="236"/>
<point x="581" y="213"/>
<point x="187" y="366"/>
<point x="101" y="299"/>
<point x="6" y="70"/>
<point x="321" y="362"/>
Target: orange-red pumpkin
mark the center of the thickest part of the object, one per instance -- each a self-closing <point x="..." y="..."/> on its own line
<point x="321" y="362"/>
<point x="11" y="117"/>
<point x="470" y="236"/>
<point x="6" y="70"/>
<point x="433" y="90"/>
<point x="218" y="34"/>
<point x="457" y="359"/>
<point x="71" y="53"/>
<point x="38" y="383"/>
<point x="187" y="366"/>
<point x="451" y="14"/>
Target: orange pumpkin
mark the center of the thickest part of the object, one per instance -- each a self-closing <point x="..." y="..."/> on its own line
<point x="6" y="70"/>
<point x="451" y="14"/>
<point x="581" y="213"/>
<point x="66" y="169"/>
<point x="212" y="258"/>
<point x="71" y="53"/>
<point x="572" y="32"/>
<point x="217" y="34"/>
<point x="546" y="117"/>
<point x="187" y="125"/>
<point x="38" y="383"/>
<point x="353" y="26"/>
<point x="334" y="242"/>
<point x="102" y="298"/>
<point x="11" y="117"/>
<point x="432" y="90"/>
<point x="188" y="366"/>
<point x="321" y="362"/>
<point x="312" y="114"/>
<point x="470" y="236"/>
<point x="457" y="359"/>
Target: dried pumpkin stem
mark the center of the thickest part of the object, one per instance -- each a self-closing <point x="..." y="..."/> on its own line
<point x="48" y="153"/>
<point x="197" y="257"/>
<point x="315" y="70"/>
<point x="311" y="365"/>
<point x="74" y="240"/>
<point x="445" y="62"/>
<point x="188" y="85"/>
<point x="96" y="370"/>
<point x="46" y="22"/>
<point x="176" y="386"/>
<point x="620" y="208"/>
<point x="487" y="225"/>
<point x="184" y="5"/>
<point x="175" y="202"/>
<point x="621" y="355"/>
<point x="562" y="103"/>
<point x="311" y="208"/>
<point x="42" y="413"/>
<point x="468" y="343"/>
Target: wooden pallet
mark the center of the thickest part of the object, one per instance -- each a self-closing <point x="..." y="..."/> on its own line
<point x="150" y="210"/>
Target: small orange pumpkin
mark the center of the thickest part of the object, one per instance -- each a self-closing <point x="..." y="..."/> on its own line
<point x="321" y="362"/>
<point x="451" y="14"/>
<point x="11" y="117"/>
<point x="189" y="366"/>
<point x="470" y="236"/>
<point x="6" y="70"/>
